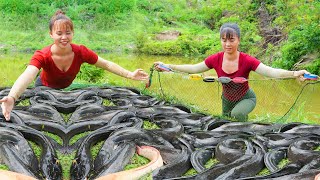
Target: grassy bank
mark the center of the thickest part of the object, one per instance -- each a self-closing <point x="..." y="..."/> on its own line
<point x="277" y="32"/>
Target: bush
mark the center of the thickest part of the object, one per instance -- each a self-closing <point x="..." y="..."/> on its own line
<point x="186" y="45"/>
<point x="301" y="41"/>
<point x="313" y="68"/>
<point x="161" y="48"/>
<point x="90" y="73"/>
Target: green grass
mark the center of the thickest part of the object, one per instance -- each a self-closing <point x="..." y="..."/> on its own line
<point x="107" y="102"/>
<point x="210" y="163"/>
<point x="149" y="125"/>
<point x="36" y="149"/>
<point x="78" y="136"/>
<point x="132" y="26"/>
<point x="24" y="102"/>
<point x="53" y="136"/>
<point x="283" y="163"/>
<point x="66" y="161"/>
<point x="4" y="167"/>
<point x="96" y="148"/>
<point x="265" y="171"/>
<point x="136" y="161"/>
<point x="190" y="172"/>
<point x="66" y="117"/>
<point x="99" y="40"/>
<point x="11" y="67"/>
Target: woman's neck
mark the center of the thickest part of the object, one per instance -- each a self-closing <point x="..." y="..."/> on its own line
<point x="232" y="56"/>
<point x="60" y="51"/>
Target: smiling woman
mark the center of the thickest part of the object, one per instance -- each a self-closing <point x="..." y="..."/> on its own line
<point x="238" y="99"/>
<point x="60" y="63"/>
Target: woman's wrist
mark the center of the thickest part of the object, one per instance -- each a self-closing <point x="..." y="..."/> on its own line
<point x="14" y="99"/>
<point x="298" y="73"/>
<point x="129" y="75"/>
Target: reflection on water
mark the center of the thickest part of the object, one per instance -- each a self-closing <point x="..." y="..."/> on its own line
<point x="274" y="97"/>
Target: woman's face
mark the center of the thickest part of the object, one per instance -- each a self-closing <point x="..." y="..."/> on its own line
<point x="61" y="34"/>
<point x="230" y="44"/>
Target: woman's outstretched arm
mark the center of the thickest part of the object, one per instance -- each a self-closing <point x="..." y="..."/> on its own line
<point x="17" y="89"/>
<point x="187" y="68"/>
<point x="279" y="73"/>
<point x="138" y="74"/>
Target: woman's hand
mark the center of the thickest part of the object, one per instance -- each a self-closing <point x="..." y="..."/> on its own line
<point x="7" y="104"/>
<point x="299" y="74"/>
<point x="138" y="74"/>
<point x="159" y="66"/>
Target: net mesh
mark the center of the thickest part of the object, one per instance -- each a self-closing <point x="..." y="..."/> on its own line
<point x="280" y="100"/>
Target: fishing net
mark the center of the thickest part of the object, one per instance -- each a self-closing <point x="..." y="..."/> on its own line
<point x="279" y="99"/>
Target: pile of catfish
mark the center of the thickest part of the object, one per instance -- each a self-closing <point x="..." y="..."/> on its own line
<point x="184" y="139"/>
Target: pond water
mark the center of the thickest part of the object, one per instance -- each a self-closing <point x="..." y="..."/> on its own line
<point x="274" y="97"/>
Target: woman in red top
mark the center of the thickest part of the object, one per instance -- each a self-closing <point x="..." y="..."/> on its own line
<point x="60" y="63"/>
<point x="238" y="100"/>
